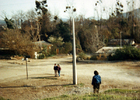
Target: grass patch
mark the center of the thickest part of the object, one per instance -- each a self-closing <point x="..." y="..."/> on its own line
<point x="64" y="96"/>
<point x="135" y="94"/>
<point x="107" y="95"/>
<point x="81" y="84"/>
<point x="71" y="85"/>
<point x="1" y="98"/>
<point x="122" y="91"/>
<point x="92" y="97"/>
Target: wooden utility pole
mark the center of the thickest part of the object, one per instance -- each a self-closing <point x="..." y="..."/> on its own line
<point x="74" y="56"/>
<point x="26" y="68"/>
<point x="72" y="10"/>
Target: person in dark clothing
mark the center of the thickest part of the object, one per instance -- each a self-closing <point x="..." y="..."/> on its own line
<point x="55" y="70"/>
<point x="96" y="81"/>
<point x="59" y="69"/>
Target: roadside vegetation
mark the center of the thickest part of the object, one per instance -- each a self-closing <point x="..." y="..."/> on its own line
<point x="113" y="94"/>
<point x="123" y="54"/>
<point x="126" y="53"/>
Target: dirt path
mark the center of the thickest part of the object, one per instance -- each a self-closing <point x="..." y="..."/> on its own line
<point x="43" y="84"/>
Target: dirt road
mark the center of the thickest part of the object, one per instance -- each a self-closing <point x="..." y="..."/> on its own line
<point x="43" y="84"/>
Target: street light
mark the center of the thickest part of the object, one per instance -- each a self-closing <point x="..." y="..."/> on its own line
<point x="74" y="47"/>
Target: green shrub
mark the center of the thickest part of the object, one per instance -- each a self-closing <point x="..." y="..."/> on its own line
<point x="53" y="49"/>
<point x="45" y="51"/>
<point x="102" y="57"/>
<point x="67" y="47"/>
<point x="1" y="98"/>
<point x="81" y="84"/>
<point x="82" y="56"/>
<point x="88" y="58"/>
<point x="93" y="57"/>
<point x="64" y="96"/>
<point x="42" y="56"/>
<point x="126" y="53"/>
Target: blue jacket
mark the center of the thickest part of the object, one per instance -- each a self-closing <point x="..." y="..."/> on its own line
<point x="96" y="80"/>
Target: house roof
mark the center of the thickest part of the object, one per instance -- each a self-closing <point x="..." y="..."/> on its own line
<point x="42" y="42"/>
<point x="108" y="49"/>
<point x="114" y="42"/>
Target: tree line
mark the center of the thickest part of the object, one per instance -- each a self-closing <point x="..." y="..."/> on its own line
<point x="35" y="25"/>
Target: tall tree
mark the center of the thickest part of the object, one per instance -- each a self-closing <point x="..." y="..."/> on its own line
<point x="89" y="38"/>
<point x="63" y="30"/>
<point x="43" y="18"/>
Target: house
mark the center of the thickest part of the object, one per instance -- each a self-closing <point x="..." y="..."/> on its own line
<point x="43" y="43"/>
<point x="117" y="42"/>
<point x="104" y="52"/>
<point x="107" y="50"/>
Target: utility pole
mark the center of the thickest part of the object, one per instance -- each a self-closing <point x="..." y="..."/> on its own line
<point x="74" y="47"/>
<point x="74" y="56"/>
<point x="26" y="67"/>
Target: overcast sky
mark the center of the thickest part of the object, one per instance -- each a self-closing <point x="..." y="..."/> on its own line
<point x="57" y="7"/>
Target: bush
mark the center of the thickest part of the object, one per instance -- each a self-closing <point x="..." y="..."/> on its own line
<point x="16" y="41"/>
<point x="82" y="56"/>
<point x="46" y="51"/>
<point x="1" y="98"/>
<point x="93" y="57"/>
<point x="126" y="53"/>
<point x="88" y="58"/>
<point x="102" y="57"/>
<point x="53" y="50"/>
<point x="42" y="56"/>
<point x="67" y="47"/>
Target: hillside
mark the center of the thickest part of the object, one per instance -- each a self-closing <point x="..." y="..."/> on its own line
<point x="129" y="13"/>
<point x="2" y="22"/>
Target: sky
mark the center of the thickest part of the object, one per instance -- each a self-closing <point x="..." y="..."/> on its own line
<point x="85" y="8"/>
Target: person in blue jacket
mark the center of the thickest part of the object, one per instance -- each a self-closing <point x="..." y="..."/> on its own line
<point x="96" y="81"/>
<point x="59" y="69"/>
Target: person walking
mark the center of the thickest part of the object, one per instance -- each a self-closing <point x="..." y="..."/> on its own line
<point x="96" y="81"/>
<point x="55" y="70"/>
<point x="59" y="69"/>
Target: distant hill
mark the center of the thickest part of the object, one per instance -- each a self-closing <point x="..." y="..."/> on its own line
<point x="2" y="22"/>
<point x="64" y="19"/>
<point x="136" y="13"/>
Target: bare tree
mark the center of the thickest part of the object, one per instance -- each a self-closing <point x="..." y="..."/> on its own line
<point x="21" y="43"/>
<point x="32" y="25"/>
<point x="18" y="18"/>
<point x="89" y="38"/>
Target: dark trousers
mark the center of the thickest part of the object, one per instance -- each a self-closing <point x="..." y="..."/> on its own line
<point x="55" y="72"/>
<point x="96" y="88"/>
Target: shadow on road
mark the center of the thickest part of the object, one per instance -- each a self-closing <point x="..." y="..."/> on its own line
<point x="48" y="77"/>
<point x="25" y="86"/>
